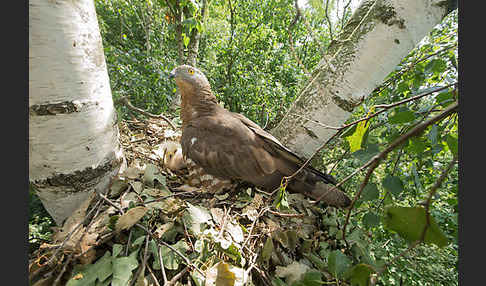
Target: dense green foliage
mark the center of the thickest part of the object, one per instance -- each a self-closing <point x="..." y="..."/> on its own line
<point x="246" y="55"/>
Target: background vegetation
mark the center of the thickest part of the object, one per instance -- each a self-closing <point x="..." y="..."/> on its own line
<point x="256" y="55"/>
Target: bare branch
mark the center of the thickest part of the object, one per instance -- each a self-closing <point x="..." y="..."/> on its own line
<point x="128" y="104"/>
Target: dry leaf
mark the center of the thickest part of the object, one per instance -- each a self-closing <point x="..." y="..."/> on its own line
<point x="291" y="272"/>
<point x="131" y="217"/>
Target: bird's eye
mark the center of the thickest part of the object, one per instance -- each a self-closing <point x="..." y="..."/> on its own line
<point x="191" y="71"/>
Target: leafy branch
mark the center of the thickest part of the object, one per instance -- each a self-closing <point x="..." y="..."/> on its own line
<point x="375" y="161"/>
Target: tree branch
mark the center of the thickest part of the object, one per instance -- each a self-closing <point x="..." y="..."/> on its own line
<point x="128" y="104"/>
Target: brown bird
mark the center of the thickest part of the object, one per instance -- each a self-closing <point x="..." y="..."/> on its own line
<point x="230" y="146"/>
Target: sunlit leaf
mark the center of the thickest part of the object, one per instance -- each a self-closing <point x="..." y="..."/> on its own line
<point x="409" y="223"/>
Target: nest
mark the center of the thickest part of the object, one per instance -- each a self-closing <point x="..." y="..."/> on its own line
<point x="163" y="222"/>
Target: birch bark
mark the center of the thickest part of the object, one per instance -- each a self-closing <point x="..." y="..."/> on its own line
<point x="379" y="34"/>
<point x="73" y="133"/>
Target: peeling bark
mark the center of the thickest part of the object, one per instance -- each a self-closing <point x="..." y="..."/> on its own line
<point x="376" y="38"/>
<point x="73" y="133"/>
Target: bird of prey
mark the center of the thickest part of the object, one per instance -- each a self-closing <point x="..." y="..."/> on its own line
<point x="230" y="146"/>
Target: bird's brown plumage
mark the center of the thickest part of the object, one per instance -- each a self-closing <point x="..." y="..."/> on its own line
<point x="230" y="146"/>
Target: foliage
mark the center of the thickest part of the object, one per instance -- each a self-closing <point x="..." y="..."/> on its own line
<point x="406" y="176"/>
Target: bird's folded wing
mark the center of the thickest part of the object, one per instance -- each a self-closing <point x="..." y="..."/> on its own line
<point x="226" y="148"/>
<point x="282" y="151"/>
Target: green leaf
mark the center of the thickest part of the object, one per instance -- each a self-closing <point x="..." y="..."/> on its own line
<point x="267" y="250"/>
<point x="409" y="223"/>
<point x="370" y="219"/>
<point x="401" y="117"/>
<point x="152" y="173"/>
<point x="370" y="192"/>
<point x="196" y="218"/>
<point x="451" y="141"/>
<point x="185" y="39"/>
<point x="417" y="145"/>
<point x="444" y="98"/>
<point x="432" y="135"/>
<point x="122" y="269"/>
<point x="435" y="66"/>
<point x="356" y="140"/>
<point x="338" y="263"/>
<point x="117" y="248"/>
<point x="318" y="262"/>
<point x="281" y="200"/>
<point x="393" y="184"/>
<point x="360" y="274"/>
<point x="364" y="155"/>
<point x="170" y="258"/>
<point x="104" y="266"/>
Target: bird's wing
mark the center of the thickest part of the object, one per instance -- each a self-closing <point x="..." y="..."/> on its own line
<point x="225" y="147"/>
<point x="281" y="150"/>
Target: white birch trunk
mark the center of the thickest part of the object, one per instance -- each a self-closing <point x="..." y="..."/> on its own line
<point x="377" y="37"/>
<point x="73" y="134"/>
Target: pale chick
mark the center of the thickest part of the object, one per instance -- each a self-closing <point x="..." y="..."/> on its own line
<point x="173" y="158"/>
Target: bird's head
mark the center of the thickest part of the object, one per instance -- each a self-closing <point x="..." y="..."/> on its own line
<point x="189" y="78"/>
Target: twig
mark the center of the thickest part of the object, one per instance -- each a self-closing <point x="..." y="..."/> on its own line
<point x="432" y="191"/>
<point x="375" y="161"/>
<point x="58" y="278"/>
<point x="341" y="129"/>
<point x="177" y="277"/>
<point x="128" y="241"/>
<point x="68" y="236"/>
<point x="141" y="269"/>
<point x="153" y="275"/>
<point x="168" y="196"/>
<point x="298" y="15"/>
<point x="127" y="103"/>
<point x="260" y="213"/>
<point x="111" y="203"/>
<point x="162" y="267"/>
<point x="187" y="261"/>
<point x="285" y="215"/>
<point x="329" y="25"/>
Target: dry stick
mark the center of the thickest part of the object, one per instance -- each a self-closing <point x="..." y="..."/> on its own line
<point x="127" y="103"/>
<point x="111" y="203"/>
<point x="141" y="269"/>
<point x="262" y="211"/>
<point x="168" y="196"/>
<point x="98" y="203"/>
<point x="162" y="267"/>
<point x="284" y="214"/>
<point x="177" y="277"/>
<point x="188" y="262"/>
<point x="128" y="241"/>
<point x="98" y="207"/>
<point x="375" y="161"/>
<point x="153" y="275"/>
